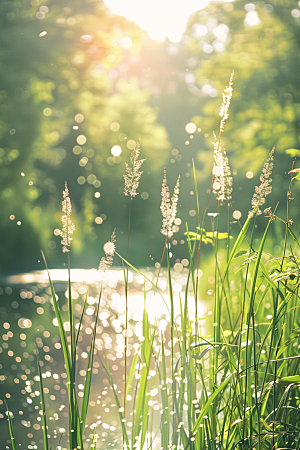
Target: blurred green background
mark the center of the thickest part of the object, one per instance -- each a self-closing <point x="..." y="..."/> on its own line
<point x="77" y="80"/>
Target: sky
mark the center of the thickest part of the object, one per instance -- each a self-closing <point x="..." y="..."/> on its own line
<point x="161" y="18"/>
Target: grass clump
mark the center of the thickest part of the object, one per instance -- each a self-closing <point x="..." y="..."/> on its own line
<point x="235" y="386"/>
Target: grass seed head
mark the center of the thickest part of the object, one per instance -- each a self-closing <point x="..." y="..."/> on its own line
<point x="133" y="175"/>
<point x="67" y="225"/>
<point x="265" y="188"/>
<point x="227" y="94"/>
<point x="168" y="206"/>
<point x="222" y="186"/>
<point x="109" y="249"/>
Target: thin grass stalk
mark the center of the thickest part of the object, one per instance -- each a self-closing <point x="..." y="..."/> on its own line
<point x="160" y="265"/>
<point x="75" y="431"/>
<point x="71" y="320"/>
<point x="141" y="402"/>
<point x="42" y="403"/>
<point x="283" y="255"/>
<point x="201" y="236"/>
<point x="227" y="276"/>
<point x="126" y="312"/>
<point x="191" y="266"/>
<point x="164" y="423"/>
<point x="198" y="215"/>
<point x="218" y="306"/>
<point x="247" y="386"/>
<point x="172" y="341"/>
<point x="251" y="318"/>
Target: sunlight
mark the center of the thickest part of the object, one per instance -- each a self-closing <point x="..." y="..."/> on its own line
<point x="160" y="18"/>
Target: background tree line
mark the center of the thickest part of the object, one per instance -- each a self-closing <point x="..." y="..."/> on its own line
<point x="76" y="80"/>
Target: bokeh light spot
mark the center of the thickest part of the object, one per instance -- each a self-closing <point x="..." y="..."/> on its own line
<point x="144" y="195"/>
<point x="236" y="214"/>
<point x="77" y="150"/>
<point x="79" y="118"/>
<point x="24" y="323"/>
<point x="91" y="178"/>
<point x="126" y="42"/>
<point x="116" y="150"/>
<point x="190" y="128"/>
<point x="131" y="144"/>
<point x="81" y="180"/>
<point x="47" y="112"/>
<point x="81" y="139"/>
<point x="115" y="126"/>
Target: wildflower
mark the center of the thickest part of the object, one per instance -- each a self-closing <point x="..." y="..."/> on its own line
<point x="227" y="94"/>
<point x="134" y="174"/>
<point x="222" y="187"/>
<point x="168" y="207"/>
<point x="264" y="189"/>
<point x="68" y="226"/>
<point x="109" y="249"/>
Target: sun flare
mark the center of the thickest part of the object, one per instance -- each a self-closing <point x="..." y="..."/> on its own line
<point x="160" y="18"/>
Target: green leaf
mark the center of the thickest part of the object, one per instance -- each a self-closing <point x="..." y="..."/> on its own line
<point x="203" y="353"/>
<point x="293" y="152"/>
<point x="291" y="379"/>
<point x="241" y="253"/>
<point x="297" y="172"/>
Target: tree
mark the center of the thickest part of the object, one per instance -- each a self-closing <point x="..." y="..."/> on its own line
<point x="66" y="99"/>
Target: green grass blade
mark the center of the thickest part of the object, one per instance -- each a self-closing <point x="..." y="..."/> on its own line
<point x="81" y="318"/>
<point x="62" y="333"/>
<point x="208" y="403"/>
<point x="73" y="408"/>
<point x="143" y="382"/>
<point x="237" y="243"/>
<point x="121" y="417"/>
<point x="10" y="426"/>
<point x="196" y="191"/>
<point x="165" y="417"/>
<point x="87" y="385"/>
<point x="131" y="373"/>
<point x="94" y="443"/>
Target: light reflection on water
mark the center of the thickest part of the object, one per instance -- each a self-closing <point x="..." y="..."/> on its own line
<point x="27" y="320"/>
<point x="157" y="300"/>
